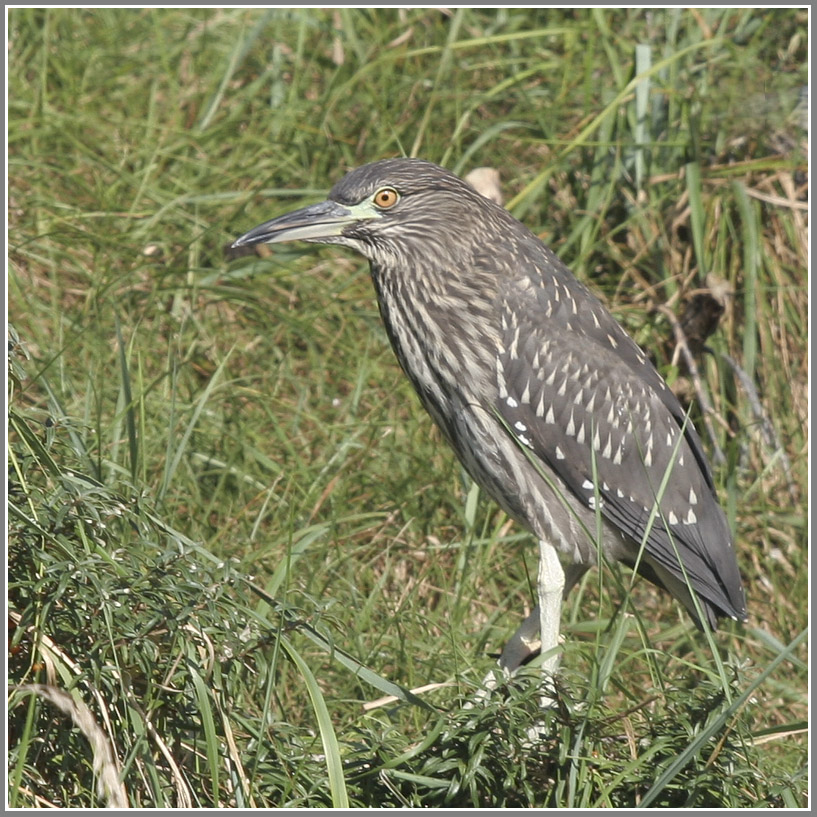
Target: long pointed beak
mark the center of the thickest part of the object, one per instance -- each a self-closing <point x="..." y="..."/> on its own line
<point x="313" y="223"/>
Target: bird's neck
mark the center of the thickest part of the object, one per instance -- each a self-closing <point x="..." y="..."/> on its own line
<point x="442" y="326"/>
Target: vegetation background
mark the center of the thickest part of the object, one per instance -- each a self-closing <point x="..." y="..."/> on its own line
<point x="232" y="529"/>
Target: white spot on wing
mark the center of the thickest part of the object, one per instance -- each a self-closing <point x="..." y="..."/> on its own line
<point x="559" y="454"/>
<point x="693" y="498"/>
<point x="520" y="426"/>
<point x="550" y="418"/>
<point x="512" y="403"/>
<point x="587" y="485"/>
<point x="691" y="519"/>
<point x="514" y="353"/>
<point x="673" y="519"/>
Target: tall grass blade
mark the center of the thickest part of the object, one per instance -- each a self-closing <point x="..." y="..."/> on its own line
<point x="331" y="749"/>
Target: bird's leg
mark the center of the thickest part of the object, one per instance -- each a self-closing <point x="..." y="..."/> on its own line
<point x="550" y="587"/>
<point x="540" y="630"/>
<point x="524" y="642"/>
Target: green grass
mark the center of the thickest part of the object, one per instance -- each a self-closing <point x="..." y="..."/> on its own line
<point x="231" y="524"/>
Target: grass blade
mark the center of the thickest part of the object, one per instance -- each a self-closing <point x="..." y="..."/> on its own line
<point x="331" y="749"/>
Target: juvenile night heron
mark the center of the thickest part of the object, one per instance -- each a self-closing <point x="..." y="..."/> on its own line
<point x="549" y="405"/>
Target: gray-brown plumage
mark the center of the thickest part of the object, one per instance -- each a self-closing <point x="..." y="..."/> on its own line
<point x="550" y="406"/>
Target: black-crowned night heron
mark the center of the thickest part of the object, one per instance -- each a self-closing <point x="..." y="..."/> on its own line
<point x="550" y="406"/>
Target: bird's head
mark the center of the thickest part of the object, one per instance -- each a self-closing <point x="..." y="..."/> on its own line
<point x="394" y="212"/>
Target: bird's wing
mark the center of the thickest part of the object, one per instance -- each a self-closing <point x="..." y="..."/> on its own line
<point x="582" y="397"/>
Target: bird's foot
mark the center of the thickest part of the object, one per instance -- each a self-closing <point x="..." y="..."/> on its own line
<point x="525" y="643"/>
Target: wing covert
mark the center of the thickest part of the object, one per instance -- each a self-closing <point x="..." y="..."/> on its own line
<point x="585" y="400"/>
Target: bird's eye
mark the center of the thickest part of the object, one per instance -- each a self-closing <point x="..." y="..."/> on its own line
<point x="386" y="197"/>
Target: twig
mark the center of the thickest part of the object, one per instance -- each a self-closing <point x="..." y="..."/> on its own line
<point x="706" y="407"/>
<point x="390" y="699"/>
<point x="768" y="431"/>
